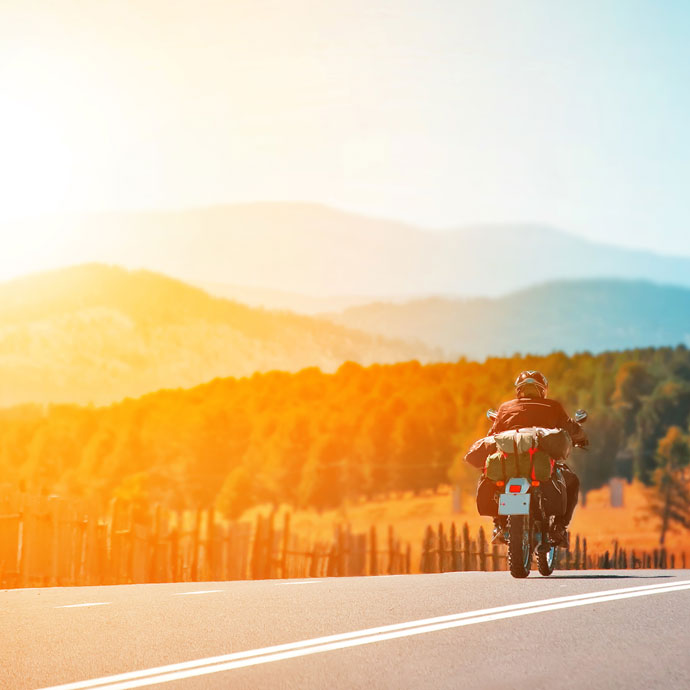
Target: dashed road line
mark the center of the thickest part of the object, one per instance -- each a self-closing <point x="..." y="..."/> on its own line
<point x="202" y="591"/>
<point x="300" y="582"/>
<point x="76" y="606"/>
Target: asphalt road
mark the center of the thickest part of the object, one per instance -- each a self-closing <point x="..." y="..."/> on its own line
<point x="597" y="629"/>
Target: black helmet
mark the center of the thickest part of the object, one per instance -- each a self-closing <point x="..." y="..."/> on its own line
<point x="534" y="378"/>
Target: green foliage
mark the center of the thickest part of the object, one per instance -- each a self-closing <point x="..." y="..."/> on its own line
<point x="596" y="466"/>
<point x="670" y="498"/>
<point x="318" y="440"/>
<point x="668" y="405"/>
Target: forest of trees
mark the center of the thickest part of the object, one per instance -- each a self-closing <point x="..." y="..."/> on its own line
<point x="316" y="440"/>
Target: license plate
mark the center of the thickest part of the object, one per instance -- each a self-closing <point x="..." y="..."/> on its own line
<point x="513" y="504"/>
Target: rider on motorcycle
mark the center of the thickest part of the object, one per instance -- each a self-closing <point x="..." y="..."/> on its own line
<point x="530" y="408"/>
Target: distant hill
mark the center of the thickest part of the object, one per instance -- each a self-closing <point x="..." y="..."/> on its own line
<point x="96" y="333"/>
<point x="572" y="316"/>
<point x="279" y="300"/>
<point x="321" y="252"/>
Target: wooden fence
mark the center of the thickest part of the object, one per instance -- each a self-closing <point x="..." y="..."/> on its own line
<point x="446" y="550"/>
<point x="48" y="541"/>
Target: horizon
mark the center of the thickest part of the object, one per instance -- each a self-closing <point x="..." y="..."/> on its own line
<point x="50" y="242"/>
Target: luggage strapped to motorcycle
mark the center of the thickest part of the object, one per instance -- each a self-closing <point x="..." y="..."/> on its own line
<point x="531" y="452"/>
<point x="503" y="467"/>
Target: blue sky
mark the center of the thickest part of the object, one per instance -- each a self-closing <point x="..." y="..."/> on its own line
<point x="573" y="114"/>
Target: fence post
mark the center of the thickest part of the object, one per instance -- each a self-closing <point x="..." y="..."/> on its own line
<point x="155" y="545"/>
<point x="494" y="558"/>
<point x="341" y="555"/>
<point x="481" y="545"/>
<point x="331" y="564"/>
<point x="391" y="552"/>
<point x="577" y="564"/>
<point x="426" y="565"/>
<point x="314" y="564"/>
<point x="210" y="556"/>
<point x="453" y="547"/>
<point x="229" y="562"/>
<point x="114" y="541"/>
<point x="286" y="544"/>
<point x="373" y="556"/>
<point x="194" y="565"/>
<point x="54" y="504"/>
<point x="174" y="553"/>
<point x="93" y="570"/>
<point x="268" y="557"/>
<point x="466" y="547"/>
<point x="136" y="558"/>
<point x="256" y="566"/>
<point x="584" y="552"/>
<point x="441" y="549"/>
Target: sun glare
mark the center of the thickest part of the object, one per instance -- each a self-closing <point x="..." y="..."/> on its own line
<point x="36" y="167"/>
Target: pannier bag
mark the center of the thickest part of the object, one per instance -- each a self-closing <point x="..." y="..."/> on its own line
<point x="517" y="455"/>
<point x="555" y="442"/>
<point x="554" y="495"/>
<point x="517" y="441"/>
<point x="480" y="451"/>
<point x="502" y="466"/>
<point x="487" y="504"/>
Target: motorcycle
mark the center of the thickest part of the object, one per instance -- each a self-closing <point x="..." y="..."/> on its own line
<point x="528" y="522"/>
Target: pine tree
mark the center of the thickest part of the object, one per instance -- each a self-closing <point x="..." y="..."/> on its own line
<point x="670" y="498"/>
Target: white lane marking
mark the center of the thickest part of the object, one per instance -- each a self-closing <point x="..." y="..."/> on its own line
<point x="76" y="606"/>
<point x="263" y="655"/>
<point x="301" y="582"/>
<point x="203" y="591"/>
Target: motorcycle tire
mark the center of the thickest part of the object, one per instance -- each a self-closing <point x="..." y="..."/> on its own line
<point x="546" y="560"/>
<point x="519" y="546"/>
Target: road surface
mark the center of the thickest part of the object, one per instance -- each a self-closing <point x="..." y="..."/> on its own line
<point x="576" y="629"/>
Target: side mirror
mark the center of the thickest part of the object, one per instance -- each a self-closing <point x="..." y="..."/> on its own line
<point x="491" y="414"/>
<point x="581" y="416"/>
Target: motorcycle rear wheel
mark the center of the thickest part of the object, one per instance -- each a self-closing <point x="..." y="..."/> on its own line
<point x="546" y="562"/>
<point x="519" y="546"/>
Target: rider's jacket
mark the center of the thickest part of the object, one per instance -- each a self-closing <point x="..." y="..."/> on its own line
<point x="543" y="412"/>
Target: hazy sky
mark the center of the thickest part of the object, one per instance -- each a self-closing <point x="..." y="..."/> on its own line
<point x="575" y="114"/>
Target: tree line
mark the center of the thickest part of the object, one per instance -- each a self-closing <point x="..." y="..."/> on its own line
<point x="317" y="440"/>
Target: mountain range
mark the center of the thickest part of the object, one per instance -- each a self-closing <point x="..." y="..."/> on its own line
<point x="96" y="333"/>
<point x="320" y="252"/>
<point x="572" y="316"/>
